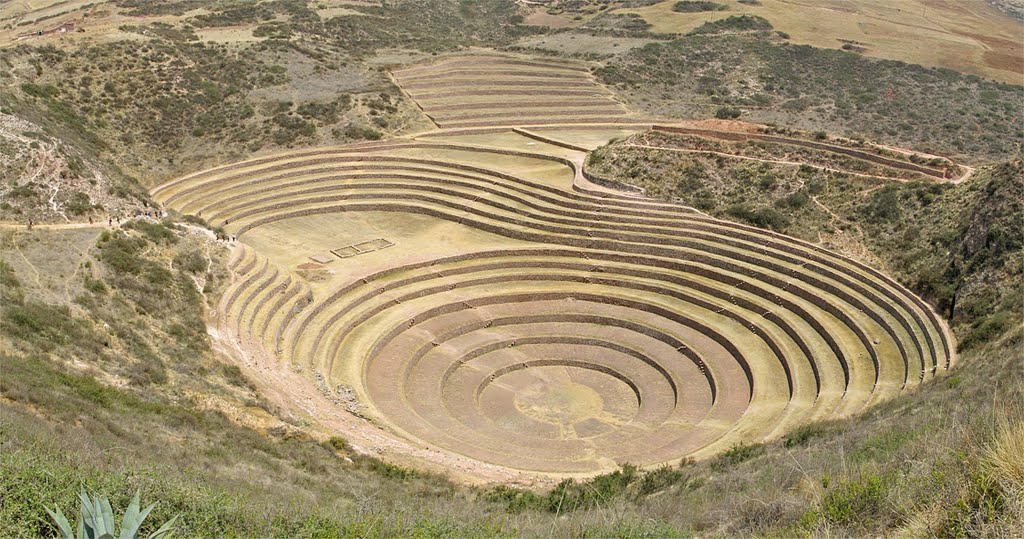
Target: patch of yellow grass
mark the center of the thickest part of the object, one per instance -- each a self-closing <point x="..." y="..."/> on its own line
<point x="1004" y="459"/>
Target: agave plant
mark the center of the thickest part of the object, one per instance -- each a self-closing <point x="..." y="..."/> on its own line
<point x="97" y="520"/>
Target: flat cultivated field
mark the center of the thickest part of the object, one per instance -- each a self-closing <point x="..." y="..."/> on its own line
<point x="969" y="36"/>
<point x="474" y="291"/>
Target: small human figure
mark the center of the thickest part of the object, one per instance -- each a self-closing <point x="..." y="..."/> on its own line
<point x="30" y="224"/>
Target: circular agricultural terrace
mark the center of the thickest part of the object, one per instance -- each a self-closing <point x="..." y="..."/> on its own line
<point x="595" y="329"/>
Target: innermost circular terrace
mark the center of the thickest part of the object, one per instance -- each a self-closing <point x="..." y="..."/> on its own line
<point x="580" y="401"/>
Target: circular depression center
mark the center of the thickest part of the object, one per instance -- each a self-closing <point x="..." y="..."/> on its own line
<point x="578" y="383"/>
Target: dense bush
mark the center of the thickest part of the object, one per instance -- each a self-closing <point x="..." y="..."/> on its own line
<point x="360" y="132"/>
<point x="79" y="204"/>
<point x="191" y="261"/>
<point x="569" y="495"/>
<point x="734" y="23"/>
<point x="694" y="6"/>
<point x="725" y="113"/>
<point x="737" y="454"/>
<point x="762" y="217"/>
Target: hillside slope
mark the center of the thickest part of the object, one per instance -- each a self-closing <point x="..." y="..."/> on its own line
<point x="796" y="86"/>
<point x="50" y="180"/>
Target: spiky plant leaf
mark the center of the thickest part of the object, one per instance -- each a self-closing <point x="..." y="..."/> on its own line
<point x="145" y="512"/>
<point x="62" y="523"/>
<point x="165" y="531"/>
<point x="131" y="522"/>
<point x="98" y="523"/>
<point x="87" y="524"/>
<point x="108" y="516"/>
<point x="97" y="520"/>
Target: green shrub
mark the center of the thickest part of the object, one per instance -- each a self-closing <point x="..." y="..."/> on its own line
<point x="794" y="200"/>
<point x="884" y="204"/>
<point x="660" y="479"/>
<point x="234" y="376"/>
<point x="982" y="502"/>
<point x="291" y="129"/>
<point x="47" y="324"/>
<point x="734" y="23"/>
<point x="696" y="6"/>
<point x="761" y="217"/>
<point x="515" y="500"/>
<point x="148" y="370"/>
<point x="803" y="434"/>
<point x="570" y="495"/>
<point x="79" y="204"/>
<point x="986" y="330"/>
<point x="852" y="502"/>
<point x="737" y="454"/>
<point x="45" y="91"/>
<point x="727" y="113"/>
<point x="192" y="261"/>
<point x="195" y="220"/>
<point x="154" y="232"/>
<point x="392" y="471"/>
<point x="324" y="113"/>
<point x="10" y="286"/>
<point x="96" y="286"/>
<point x="360" y="132"/>
<point x="121" y="254"/>
<point x="339" y="443"/>
<point x="22" y="191"/>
